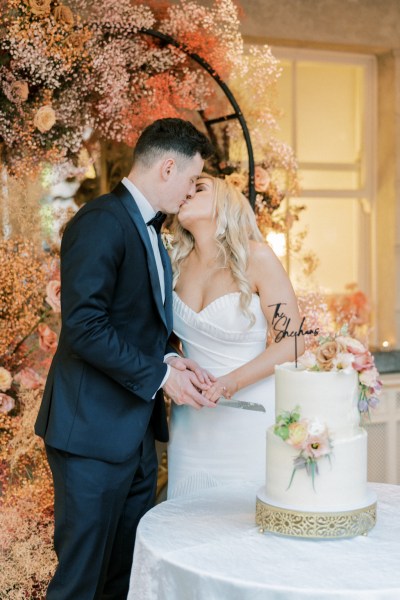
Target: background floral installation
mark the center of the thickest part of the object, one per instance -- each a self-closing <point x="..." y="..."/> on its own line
<point x="76" y="77"/>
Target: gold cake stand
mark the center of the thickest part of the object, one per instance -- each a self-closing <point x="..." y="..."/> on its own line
<point x="328" y="525"/>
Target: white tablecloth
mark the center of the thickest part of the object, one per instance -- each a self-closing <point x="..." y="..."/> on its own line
<point x="207" y="547"/>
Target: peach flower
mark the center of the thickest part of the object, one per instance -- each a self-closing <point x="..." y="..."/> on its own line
<point x="28" y="378"/>
<point x="47" y="338"/>
<point x="326" y="353"/>
<point x="297" y="434"/>
<point x="5" y="379"/>
<point x="17" y="91"/>
<point x="6" y="403"/>
<point x="76" y="41"/>
<point x="237" y="179"/>
<point x="40" y="7"/>
<point x="53" y="298"/>
<point x="44" y="119"/>
<point x="261" y="179"/>
<point x="63" y="14"/>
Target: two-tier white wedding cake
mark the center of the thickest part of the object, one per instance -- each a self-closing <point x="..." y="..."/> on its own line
<point x="316" y="474"/>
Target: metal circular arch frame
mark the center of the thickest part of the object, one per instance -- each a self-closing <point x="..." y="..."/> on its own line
<point x="237" y="114"/>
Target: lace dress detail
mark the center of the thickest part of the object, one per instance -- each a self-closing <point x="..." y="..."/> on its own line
<point x="212" y="447"/>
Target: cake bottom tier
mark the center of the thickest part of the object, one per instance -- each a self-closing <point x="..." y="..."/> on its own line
<point x="339" y="485"/>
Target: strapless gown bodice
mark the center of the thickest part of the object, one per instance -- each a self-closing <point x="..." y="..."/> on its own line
<point x="215" y="446"/>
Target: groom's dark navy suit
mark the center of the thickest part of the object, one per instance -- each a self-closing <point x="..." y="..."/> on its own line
<point x="101" y="409"/>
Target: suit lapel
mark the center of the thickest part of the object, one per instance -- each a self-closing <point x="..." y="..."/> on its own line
<point x="168" y="284"/>
<point x="132" y="209"/>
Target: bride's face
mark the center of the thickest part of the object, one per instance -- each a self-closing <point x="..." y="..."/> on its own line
<point x="200" y="207"/>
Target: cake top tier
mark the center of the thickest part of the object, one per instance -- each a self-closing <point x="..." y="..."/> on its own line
<point x="328" y="396"/>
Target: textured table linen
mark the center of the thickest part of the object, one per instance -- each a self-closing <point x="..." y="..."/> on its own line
<point x="207" y="547"/>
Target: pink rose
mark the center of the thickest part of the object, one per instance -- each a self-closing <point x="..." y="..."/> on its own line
<point x="261" y="179"/>
<point x="53" y="298"/>
<point x="29" y="379"/>
<point x="6" y="403"/>
<point x="47" y="338"/>
<point x="351" y="344"/>
<point x="5" y="379"/>
<point x="363" y="362"/>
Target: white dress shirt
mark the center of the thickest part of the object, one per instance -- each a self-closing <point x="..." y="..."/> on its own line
<point x="148" y="212"/>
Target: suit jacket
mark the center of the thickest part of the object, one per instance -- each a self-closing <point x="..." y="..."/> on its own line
<point x="108" y="365"/>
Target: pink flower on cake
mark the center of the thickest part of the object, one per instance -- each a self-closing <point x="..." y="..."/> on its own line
<point x="6" y="403"/>
<point x="344" y="353"/>
<point x="5" y="379"/>
<point x="29" y="379"/>
<point x="53" y="298"/>
<point x="317" y="446"/>
<point x="310" y="437"/>
<point x="47" y="338"/>
<point x="363" y="361"/>
<point x="351" y="344"/>
<point x="369" y="377"/>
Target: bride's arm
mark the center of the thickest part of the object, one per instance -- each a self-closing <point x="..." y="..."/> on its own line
<point x="279" y="305"/>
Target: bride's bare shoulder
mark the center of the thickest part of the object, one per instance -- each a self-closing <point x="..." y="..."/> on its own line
<point x="261" y="254"/>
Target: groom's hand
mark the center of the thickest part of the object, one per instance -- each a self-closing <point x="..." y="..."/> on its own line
<point x="183" y="386"/>
<point x="182" y="364"/>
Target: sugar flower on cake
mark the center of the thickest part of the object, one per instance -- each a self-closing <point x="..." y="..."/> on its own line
<point x="344" y="353"/>
<point x="309" y="436"/>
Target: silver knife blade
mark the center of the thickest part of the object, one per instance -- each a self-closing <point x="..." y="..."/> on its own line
<point x="241" y="404"/>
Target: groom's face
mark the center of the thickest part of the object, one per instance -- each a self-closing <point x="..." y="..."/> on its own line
<point x="181" y="183"/>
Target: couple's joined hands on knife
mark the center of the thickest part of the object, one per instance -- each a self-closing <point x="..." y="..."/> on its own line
<point x="189" y="384"/>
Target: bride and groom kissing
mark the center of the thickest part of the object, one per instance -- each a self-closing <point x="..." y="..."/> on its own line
<point x="103" y="403"/>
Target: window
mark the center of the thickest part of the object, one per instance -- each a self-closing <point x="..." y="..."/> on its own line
<point x="328" y="101"/>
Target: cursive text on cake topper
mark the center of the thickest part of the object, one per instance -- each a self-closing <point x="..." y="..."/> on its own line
<point x="281" y="327"/>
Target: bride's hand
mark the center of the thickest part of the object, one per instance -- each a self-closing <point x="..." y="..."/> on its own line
<point x="224" y="386"/>
<point x="205" y="378"/>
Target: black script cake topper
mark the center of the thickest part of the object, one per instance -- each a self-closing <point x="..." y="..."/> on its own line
<point x="281" y="325"/>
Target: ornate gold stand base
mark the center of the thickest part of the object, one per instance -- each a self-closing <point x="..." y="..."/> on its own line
<point x="315" y="524"/>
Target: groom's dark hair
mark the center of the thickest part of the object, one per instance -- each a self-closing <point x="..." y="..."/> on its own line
<point x="170" y="135"/>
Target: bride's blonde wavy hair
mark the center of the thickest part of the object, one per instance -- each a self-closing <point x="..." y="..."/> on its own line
<point x="236" y="225"/>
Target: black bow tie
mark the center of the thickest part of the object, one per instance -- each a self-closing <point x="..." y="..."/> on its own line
<point x="157" y="221"/>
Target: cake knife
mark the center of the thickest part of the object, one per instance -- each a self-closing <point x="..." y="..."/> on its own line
<point x="241" y="404"/>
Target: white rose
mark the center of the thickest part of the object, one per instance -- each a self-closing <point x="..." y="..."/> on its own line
<point x="307" y="360"/>
<point x="344" y="361"/>
<point x="316" y="428"/>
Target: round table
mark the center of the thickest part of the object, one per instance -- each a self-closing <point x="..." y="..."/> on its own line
<point x="207" y="547"/>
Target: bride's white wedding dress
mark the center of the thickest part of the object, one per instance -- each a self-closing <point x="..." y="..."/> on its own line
<point x="220" y="445"/>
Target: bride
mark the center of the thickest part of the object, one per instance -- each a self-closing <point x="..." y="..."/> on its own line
<point x="229" y="289"/>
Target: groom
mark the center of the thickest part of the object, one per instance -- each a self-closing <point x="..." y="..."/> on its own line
<point x="103" y="402"/>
